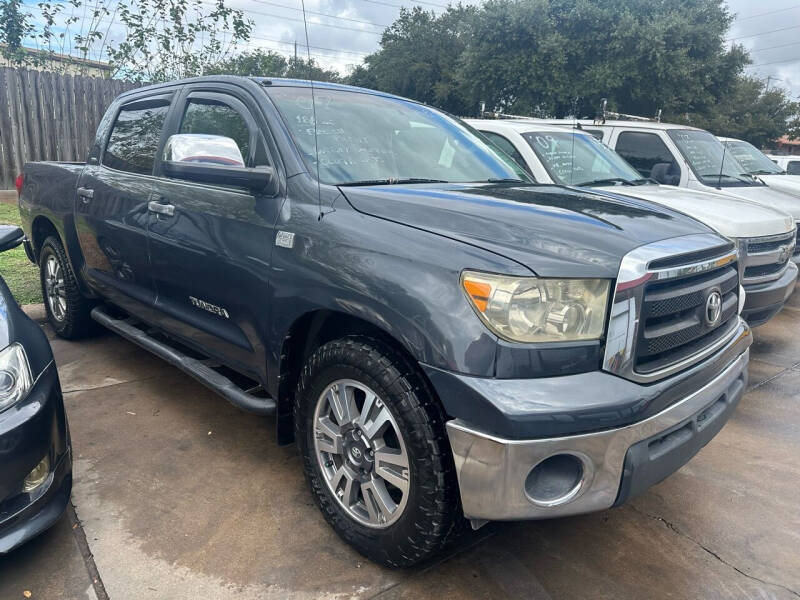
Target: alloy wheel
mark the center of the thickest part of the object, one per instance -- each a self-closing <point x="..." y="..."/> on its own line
<point x="361" y="453"/>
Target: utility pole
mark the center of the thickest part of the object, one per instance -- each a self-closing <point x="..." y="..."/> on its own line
<point x="770" y="78"/>
<point x="295" y="51"/>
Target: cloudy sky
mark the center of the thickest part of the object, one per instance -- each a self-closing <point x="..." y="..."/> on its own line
<point x="342" y="32"/>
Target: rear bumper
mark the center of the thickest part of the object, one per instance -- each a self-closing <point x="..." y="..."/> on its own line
<point x="764" y="300"/>
<point x="495" y="474"/>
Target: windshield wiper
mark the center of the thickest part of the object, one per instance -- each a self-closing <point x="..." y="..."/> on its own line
<point x="765" y="172"/>
<point x="502" y="180"/>
<point x="608" y="180"/>
<point x="643" y="181"/>
<point x="391" y="181"/>
<point x="740" y="177"/>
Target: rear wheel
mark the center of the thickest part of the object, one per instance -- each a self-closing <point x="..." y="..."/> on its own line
<point x="375" y="451"/>
<point x="67" y="310"/>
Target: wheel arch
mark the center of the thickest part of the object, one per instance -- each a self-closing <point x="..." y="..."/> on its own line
<point x="42" y="228"/>
<point x="309" y="332"/>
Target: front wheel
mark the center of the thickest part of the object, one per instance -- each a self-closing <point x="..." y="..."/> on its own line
<point x="375" y="451"/>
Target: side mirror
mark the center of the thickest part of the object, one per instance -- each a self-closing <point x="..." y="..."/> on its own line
<point x="10" y="237"/>
<point x="211" y="159"/>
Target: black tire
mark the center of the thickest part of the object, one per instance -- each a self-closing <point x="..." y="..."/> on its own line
<point x="75" y="321"/>
<point x="432" y="509"/>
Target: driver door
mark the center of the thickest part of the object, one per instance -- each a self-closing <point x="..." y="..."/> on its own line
<point x="210" y="244"/>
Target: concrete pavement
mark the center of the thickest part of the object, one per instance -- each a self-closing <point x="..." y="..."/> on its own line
<point x="182" y="496"/>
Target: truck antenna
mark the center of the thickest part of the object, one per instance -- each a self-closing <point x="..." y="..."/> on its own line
<point x="721" y="165"/>
<point x="313" y="108"/>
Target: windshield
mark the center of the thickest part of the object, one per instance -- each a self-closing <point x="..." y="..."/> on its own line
<point x="752" y="159"/>
<point x="371" y="139"/>
<point x="579" y="159"/>
<point x="704" y="153"/>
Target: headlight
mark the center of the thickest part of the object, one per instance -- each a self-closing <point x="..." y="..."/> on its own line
<point x="15" y="375"/>
<point x="529" y="309"/>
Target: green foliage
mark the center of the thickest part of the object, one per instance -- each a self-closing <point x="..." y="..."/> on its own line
<point x="15" y="26"/>
<point x="562" y="57"/>
<point x="173" y="39"/>
<point x="266" y="63"/>
<point x="21" y="276"/>
<point x="419" y="58"/>
<point x="748" y="112"/>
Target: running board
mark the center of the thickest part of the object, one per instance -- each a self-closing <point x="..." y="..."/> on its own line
<point x="191" y="366"/>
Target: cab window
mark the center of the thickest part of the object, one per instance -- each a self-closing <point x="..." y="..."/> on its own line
<point x="644" y="150"/>
<point x="134" y="138"/>
<point x="213" y="117"/>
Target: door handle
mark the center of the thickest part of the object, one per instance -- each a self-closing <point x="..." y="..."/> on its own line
<point x="161" y="209"/>
<point x="85" y="194"/>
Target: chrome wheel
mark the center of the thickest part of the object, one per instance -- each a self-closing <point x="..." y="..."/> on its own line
<point x="54" y="288"/>
<point x="361" y="453"/>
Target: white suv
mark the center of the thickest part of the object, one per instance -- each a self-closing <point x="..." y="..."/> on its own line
<point x="788" y="162"/>
<point x="766" y="237"/>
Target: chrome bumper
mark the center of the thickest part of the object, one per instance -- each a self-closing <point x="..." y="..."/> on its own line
<point x="492" y="472"/>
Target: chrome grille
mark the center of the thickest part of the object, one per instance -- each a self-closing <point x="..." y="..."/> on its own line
<point x="766" y="258"/>
<point x="658" y="323"/>
<point x="674" y="317"/>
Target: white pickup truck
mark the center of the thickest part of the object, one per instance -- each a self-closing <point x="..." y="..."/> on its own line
<point x="765" y="236"/>
<point x="759" y="165"/>
<point x="788" y="162"/>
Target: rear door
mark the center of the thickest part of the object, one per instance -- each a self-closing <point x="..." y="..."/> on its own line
<point x="111" y="205"/>
<point x="210" y="256"/>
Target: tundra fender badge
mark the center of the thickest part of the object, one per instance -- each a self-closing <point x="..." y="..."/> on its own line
<point x="284" y="239"/>
<point x="212" y="308"/>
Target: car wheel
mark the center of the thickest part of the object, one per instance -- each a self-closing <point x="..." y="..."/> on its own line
<point x="67" y="310"/>
<point x="375" y="451"/>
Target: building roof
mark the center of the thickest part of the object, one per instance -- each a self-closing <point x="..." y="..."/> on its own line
<point x="67" y="58"/>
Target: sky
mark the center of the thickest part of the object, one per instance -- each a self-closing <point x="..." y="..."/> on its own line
<point x="342" y="32"/>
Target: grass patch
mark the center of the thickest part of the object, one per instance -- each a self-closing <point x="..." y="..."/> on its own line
<point x="21" y="276"/>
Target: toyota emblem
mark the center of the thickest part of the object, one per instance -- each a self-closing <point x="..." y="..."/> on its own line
<point x="713" y="307"/>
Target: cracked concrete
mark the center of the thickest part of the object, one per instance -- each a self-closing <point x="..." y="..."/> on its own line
<point x="182" y="496"/>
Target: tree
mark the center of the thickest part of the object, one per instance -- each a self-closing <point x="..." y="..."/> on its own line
<point x="173" y="39"/>
<point x="266" y="63"/>
<point x="749" y="112"/>
<point x="540" y="55"/>
<point x="15" y="26"/>
<point x="419" y="56"/>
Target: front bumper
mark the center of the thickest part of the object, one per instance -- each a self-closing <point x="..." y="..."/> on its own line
<point x="494" y="473"/>
<point x="31" y="429"/>
<point x="764" y="300"/>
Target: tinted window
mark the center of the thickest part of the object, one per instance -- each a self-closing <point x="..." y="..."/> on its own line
<point x="643" y="150"/>
<point x="134" y="139"/>
<point x="216" y="118"/>
<point x="507" y="147"/>
<point x="793" y="168"/>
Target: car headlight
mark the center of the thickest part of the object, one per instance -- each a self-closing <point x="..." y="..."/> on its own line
<point x="15" y="375"/>
<point x="529" y="309"/>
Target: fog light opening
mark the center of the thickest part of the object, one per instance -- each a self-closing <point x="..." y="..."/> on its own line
<point x="556" y="480"/>
<point x="38" y="476"/>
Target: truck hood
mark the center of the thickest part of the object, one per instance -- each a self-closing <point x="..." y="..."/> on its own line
<point x="789" y="184"/>
<point x="732" y="217"/>
<point x="766" y="196"/>
<point x="552" y="230"/>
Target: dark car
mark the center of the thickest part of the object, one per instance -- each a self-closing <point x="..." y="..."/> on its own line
<point x="35" y="453"/>
<point x="441" y="336"/>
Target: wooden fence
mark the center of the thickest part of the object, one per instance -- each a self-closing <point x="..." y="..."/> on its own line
<point x="47" y="116"/>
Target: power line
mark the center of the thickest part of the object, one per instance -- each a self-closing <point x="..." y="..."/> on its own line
<point x="772" y="12"/>
<point x="311" y="12"/>
<point x="774" y="47"/>
<point x="305" y="46"/>
<point x="741" y="37"/>
<point x="402" y="6"/>
<point x="775" y="62"/>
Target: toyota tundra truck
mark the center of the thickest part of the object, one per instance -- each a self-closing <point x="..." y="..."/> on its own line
<point x="445" y="340"/>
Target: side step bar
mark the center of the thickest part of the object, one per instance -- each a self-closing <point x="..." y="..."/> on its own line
<point x="191" y="366"/>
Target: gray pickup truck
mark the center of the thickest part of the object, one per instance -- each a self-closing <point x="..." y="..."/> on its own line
<point x="442" y="337"/>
